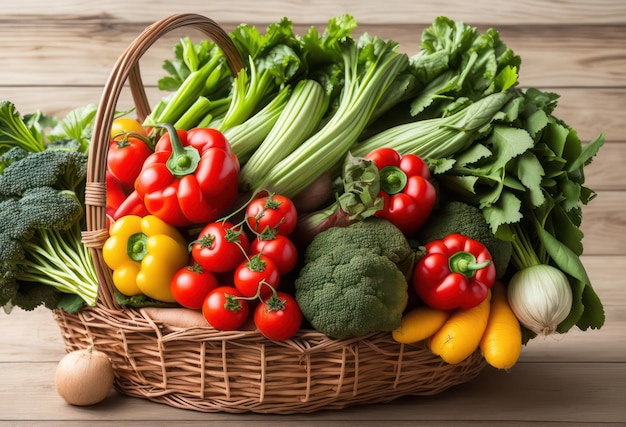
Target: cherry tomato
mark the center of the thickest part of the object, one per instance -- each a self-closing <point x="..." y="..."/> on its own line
<point x="224" y="309"/>
<point x="259" y="271"/>
<point x="274" y="212"/>
<point x="280" y="249"/>
<point x="191" y="284"/>
<point x="220" y="247"/>
<point x="123" y="125"/>
<point x="279" y="317"/>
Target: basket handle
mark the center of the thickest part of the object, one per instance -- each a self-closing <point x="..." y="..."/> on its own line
<point x="127" y="68"/>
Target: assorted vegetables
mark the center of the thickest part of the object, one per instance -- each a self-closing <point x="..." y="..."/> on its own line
<point x="334" y="183"/>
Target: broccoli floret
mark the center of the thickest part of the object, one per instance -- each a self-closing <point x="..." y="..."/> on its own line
<point x="11" y="156"/>
<point x="350" y="284"/>
<point x="40" y="237"/>
<point x="375" y="234"/>
<point x="458" y="217"/>
<point x="29" y="296"/>
<point x="62" y="170"/>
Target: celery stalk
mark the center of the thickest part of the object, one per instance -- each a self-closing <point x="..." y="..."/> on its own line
<point x="440" y="137"/>
<point x="185" y="96"/>
<point x="247" y="136"/>
<point x="369" y="71"/>
<point x="299" y="119"/>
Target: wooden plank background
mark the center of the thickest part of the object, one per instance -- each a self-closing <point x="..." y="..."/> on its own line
<point x="56" y="56"/>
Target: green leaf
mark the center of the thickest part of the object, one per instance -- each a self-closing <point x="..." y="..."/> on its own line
<point x="588" y="153"/>
<point x="593" y="316"/>
<point x="508" y="143"/>
<point x="78" y="125"/>
<point x="571" y="192"/>
<point x="71" y="303"/>
<point x="507" y="78"/>
<point x="565" y="229"/>
<point x="440" y="165"/>
<point x="465" y="185"/>
<point x="530" y="173"/>
<point x="473" y="154"/>
<point x="505" y="211"/>
<point x="536" y="122"/>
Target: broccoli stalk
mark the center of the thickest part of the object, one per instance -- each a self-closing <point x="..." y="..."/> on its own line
<point x="41" y="220"/>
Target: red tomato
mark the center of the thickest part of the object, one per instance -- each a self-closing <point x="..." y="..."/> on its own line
<point x="125" y="159"/>
<point x="279" y="317"/>
<point x="224" y="309"/>
<point x="274" y="212"/>
<point x="220" y="247"/>
<point x="191" y="284"/>
<point x="280" y="249"/>
<point x="128" y="150"/>
<point x="259" y="271"/>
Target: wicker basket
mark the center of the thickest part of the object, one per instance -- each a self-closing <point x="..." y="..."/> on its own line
<point x="207" y="370"/>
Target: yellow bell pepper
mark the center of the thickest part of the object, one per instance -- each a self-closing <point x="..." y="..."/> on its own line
<point x="144" y="254"/>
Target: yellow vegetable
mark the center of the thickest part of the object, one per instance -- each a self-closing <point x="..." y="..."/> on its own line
<point x="501" y="343"/>
<point x="144" y="254"/>
<point x="460" y="336"/>
<point x="420" y="323"/>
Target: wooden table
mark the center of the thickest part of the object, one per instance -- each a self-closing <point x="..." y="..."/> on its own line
<point x="57" y="55"/>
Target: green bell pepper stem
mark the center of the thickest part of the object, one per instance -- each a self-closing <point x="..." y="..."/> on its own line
<point x="184" y="160"/>
<point x="136" y="248"/>
<point x="465" y="264"/>
<point x="392" y="179"/>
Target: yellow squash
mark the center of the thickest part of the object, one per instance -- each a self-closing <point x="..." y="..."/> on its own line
<point x="420" y="323"/>
<point x="460" y="335"/>
<point x="501" y="343"/>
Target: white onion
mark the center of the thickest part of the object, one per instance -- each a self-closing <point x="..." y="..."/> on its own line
<point x="84" y="377"/>
<point x="541" y="298"/>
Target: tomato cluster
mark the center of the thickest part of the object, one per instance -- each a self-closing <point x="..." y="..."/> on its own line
<point x="251" y="257"/>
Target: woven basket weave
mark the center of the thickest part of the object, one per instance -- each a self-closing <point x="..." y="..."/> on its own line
<point x="203" y="369"/>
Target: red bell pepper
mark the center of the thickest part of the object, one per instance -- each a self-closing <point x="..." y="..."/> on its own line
<point x="191" y="178"/>
<point x="405" y="188"/>
<point x="455" y="272"/>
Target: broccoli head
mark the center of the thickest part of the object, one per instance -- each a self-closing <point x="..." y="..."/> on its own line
<point x="60" y="169"/>
<point x="376" y="234"/>
<point x="458" y="217"/>
<point x="350" y="284"/>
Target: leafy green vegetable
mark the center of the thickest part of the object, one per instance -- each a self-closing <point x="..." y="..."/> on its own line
<point x="456" y="61"/>
<point x="370" y="67"/>
<point x="15" y="132"/>
<point x="77" y="125"/>
<point x="530" y="188"/>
